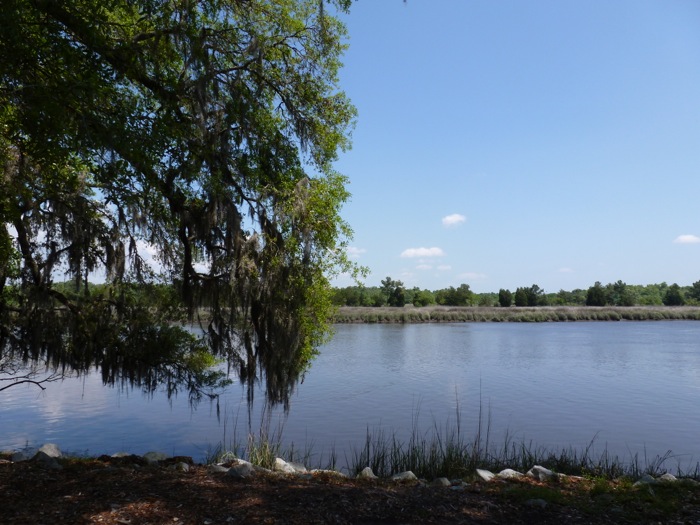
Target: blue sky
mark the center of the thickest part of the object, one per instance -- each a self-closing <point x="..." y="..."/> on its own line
<point x="509" y="143"/>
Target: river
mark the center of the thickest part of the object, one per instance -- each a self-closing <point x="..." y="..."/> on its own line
<point x="628" y="387"/>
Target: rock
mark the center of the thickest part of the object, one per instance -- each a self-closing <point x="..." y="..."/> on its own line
<point x="120" y="455"/>
<point x="242" y="470"/>
<point x="537" y="503"/>
<point x="486" y="475"/>
<point x="217" y="469"/>
<point x="404" y="476"/>
<point x="668" y="477"/>
<point x="181" y="467"/>
<point x="441" y="482"/>
<point x="281" y="465"/>
<point x="299" y="468"/>
<point x="366" y="474"/>
<point x="540" y="473"/>
<point x="509" y="473"/>
<point x="51" y="450"/>
<point x="646" y="479"/>
<point x="46" y="461"/>
<point x="329" y="472"/>
<point x="154" y="457"/>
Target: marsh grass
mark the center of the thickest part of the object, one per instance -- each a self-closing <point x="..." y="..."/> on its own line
<point x="446" y="450"/>
<point x="540" y="314"/>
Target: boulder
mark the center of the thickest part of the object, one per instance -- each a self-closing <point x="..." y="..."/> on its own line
<point x="241" y="470"/>
<point x="51" y="450"/>
<point x="440" y="482"/>
<point x="668" y="477"/>
<point x="509" y="473"/>
<point x="281" y="465"/>
<point x="366" y="474"/>
<point x="404" y="476"/>
<point x="486" y="475"/>
<point x="646" y="479"/>
<point x="46" y="461"/>
<point x="154" y="457"/>
<point x="540" y="473"/>
<point x="217" y="469"/>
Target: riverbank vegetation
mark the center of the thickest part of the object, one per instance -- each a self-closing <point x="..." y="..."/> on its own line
<point x="541" y="314"/>
<point x="394" y="293"/>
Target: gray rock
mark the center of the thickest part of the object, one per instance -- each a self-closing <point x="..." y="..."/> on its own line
<point x="120" y="455"/>
<point x="646" y="479"/>
<point x="46" y="461"/>
<point x="217" y="469"/>
<point x="51" y="450"/>
<point x="486" y="475"/>
<point x="509" y="473"/>
<point x="299" y="468"/>
<point x="366" y="474"/>
<point x="668" y="477"/>
<point x="540" y="473"/>
<point x="281" y="465"/>
<point x="242" y="470"/>
<point x="181" y="467"/>
<point x="441" y="482"/>
<point x="329" y="472"/>
<point x="154" y="457"/>
<point x="404" y="476"/>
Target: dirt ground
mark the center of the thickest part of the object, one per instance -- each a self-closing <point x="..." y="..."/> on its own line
<point x="111" y="492"/>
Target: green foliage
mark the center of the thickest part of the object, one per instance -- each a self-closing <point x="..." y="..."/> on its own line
<point x="596" y="295"/>
<point x="460" y="296"/>
<point x="205" y="130"/>
<point x="505" y="298"/>
<point x="674" y="296"/>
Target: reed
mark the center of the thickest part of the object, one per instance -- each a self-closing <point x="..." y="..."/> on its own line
<point x="444" y="450"/>
<point x="540" y="314"/>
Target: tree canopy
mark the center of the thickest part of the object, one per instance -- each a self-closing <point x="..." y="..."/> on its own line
<point x="203" y="131"/>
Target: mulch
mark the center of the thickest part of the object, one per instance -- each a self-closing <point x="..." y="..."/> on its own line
<point x="113" y="491"/>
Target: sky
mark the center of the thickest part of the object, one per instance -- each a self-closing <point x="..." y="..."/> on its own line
<point x="508" y="143"/>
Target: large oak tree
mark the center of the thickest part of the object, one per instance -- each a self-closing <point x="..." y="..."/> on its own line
<point x="202" y="130"/>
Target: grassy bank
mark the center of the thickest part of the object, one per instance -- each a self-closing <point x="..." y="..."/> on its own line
<point x="540" y="314"/>
<point x="448" y="451"/>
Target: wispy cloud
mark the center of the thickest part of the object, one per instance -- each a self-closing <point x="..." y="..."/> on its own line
<point x="424" y="267"/>
<point x="354" y="252"/>
<point x="422" y="252"/>
<point x="687" y="239"/>
<point x="443" y="267"/>
<point x="453" y="220"/>
<point x="566" y="270"/>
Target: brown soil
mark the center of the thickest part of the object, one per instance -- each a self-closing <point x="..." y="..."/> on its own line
<point x="111" y="492"/>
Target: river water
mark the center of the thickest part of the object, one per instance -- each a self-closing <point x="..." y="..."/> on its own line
<point x="628" y="387"/>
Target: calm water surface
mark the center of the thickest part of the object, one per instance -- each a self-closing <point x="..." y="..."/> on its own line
<point x="633" y="386"/>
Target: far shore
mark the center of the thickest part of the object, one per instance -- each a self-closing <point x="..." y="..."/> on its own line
<point x="538" y="314"/>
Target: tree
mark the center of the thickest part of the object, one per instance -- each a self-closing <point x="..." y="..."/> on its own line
<point x="460" y="296"/>
<point x="694" y="291"/>
<point x="520" y="297"/>
<point x="394" y="292"/>
<point x="505" y="297"/>
<point x="205" y="131"/>
<point x="596" y="295"/>
<point x="674" y="296"/>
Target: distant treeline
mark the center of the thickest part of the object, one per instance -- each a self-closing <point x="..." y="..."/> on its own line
<point x="394" y="293"/>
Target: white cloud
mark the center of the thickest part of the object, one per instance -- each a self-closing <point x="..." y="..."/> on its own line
<point x="424" y="267"/>
<point x="687" y="239"/>
<point x="443" y="267"/>
<point x="453" y="220"/>
<point x="422" y="252"/>
<point x="472" y="276"/>
<point x="355" y="252"/>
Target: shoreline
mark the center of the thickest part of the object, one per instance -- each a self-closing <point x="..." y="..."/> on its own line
<point x="493" y="314"/>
